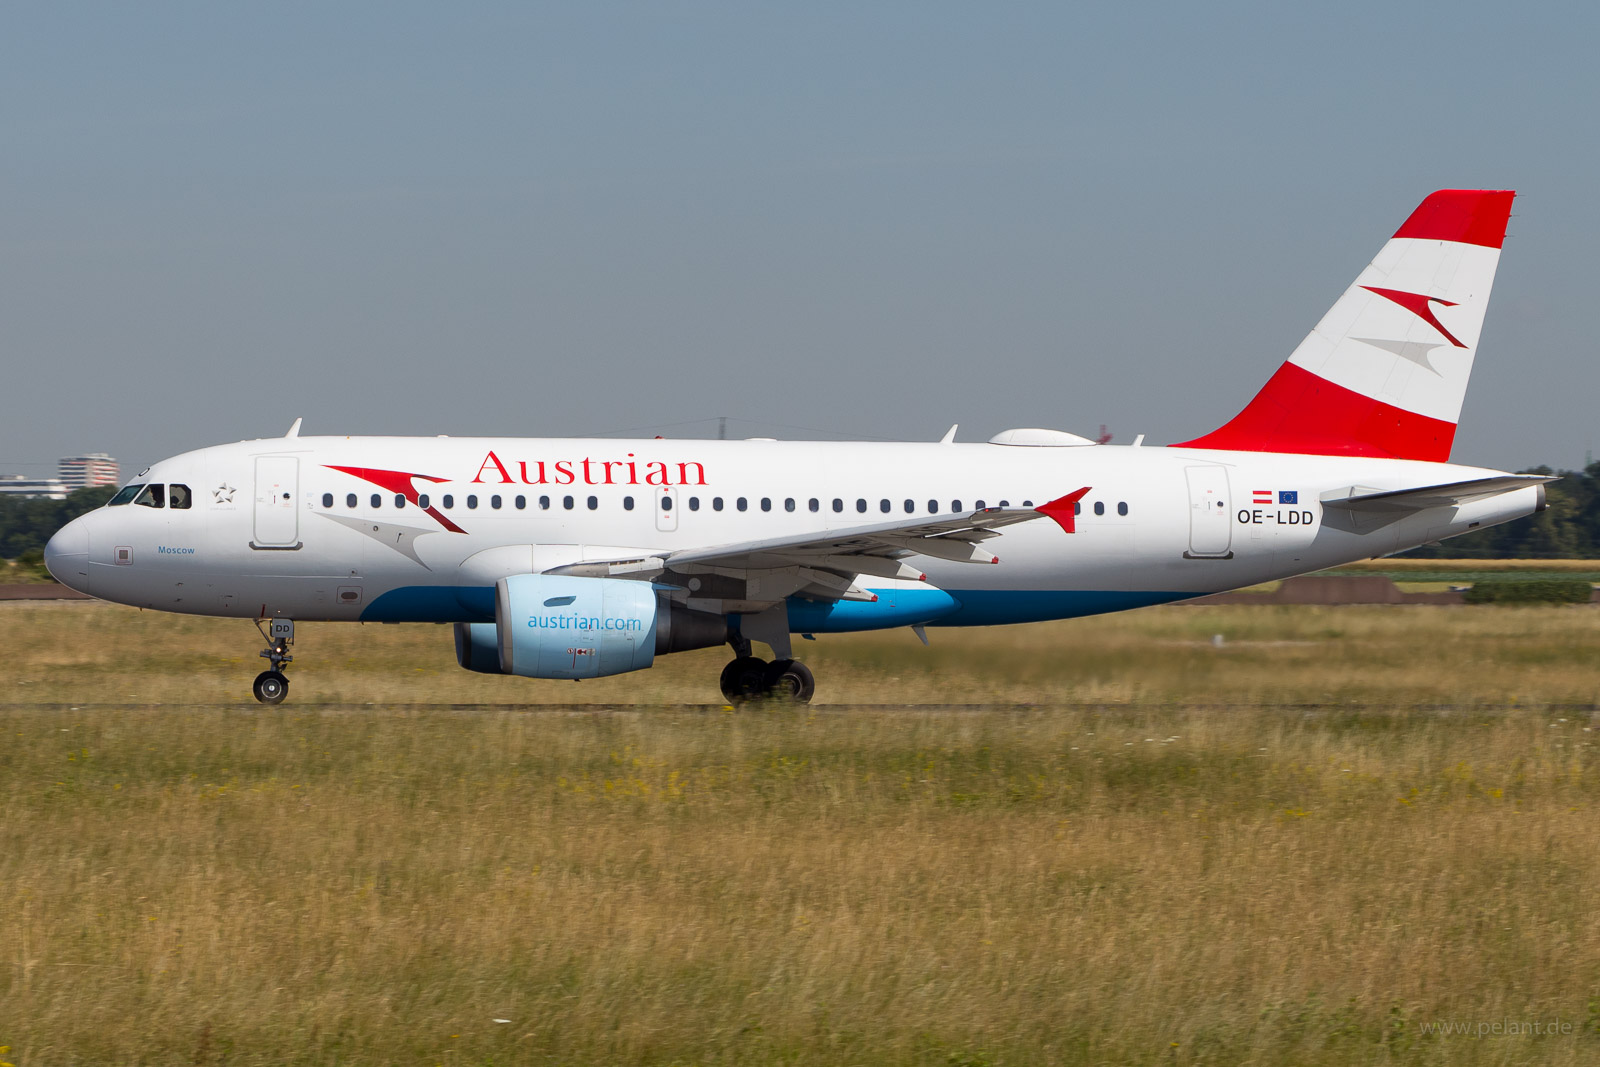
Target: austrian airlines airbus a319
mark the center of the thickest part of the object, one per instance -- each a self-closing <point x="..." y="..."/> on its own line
<point x="574" y="558"/>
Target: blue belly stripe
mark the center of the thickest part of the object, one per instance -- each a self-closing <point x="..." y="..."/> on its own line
<point x="894" y="607"/>
<point x="995" y="607"/>
<point x="433" y="603"/>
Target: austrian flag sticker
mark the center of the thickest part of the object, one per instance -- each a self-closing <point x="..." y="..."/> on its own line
<point x="1285" y="496"/>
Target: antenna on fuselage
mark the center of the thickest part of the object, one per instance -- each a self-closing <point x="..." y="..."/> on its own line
<point x="949" y="437"/>
<point x="294" y="431"/>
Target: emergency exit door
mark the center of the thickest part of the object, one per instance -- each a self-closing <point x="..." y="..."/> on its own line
<point x="1210" y="522"/>
<point x="277" y="491"/>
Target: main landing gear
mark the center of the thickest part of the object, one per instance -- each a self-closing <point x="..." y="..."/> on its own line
<point x="270" y="686"/>
<point x="750" y="678"/>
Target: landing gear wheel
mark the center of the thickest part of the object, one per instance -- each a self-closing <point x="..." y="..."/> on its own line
<point x="744" y="679"/>
<point x="270" y="687"/>
<point x="790" y="681"/>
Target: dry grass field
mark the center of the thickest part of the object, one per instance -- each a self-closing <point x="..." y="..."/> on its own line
<point x="1113" y="841"/>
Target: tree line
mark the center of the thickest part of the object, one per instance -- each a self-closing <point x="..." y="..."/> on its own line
<point x="1569" y="528"/>
<point x="26" y="523"/>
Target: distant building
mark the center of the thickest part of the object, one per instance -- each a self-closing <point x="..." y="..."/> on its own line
<point x="21" y="485"/>
<point x="80" y="472"/>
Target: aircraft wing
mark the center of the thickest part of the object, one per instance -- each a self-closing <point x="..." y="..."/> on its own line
<point x="1432" y="496"/>
<point x="875" y="549"/>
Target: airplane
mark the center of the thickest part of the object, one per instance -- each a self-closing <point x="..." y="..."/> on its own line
<point x="580" y="558"/>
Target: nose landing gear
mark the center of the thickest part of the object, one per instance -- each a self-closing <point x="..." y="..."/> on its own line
<point x="270" y="686"/>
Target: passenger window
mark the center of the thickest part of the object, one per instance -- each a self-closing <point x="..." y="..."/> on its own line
<point x="838" y="505"/>
<point x="594" y="502"/>
<point x="666" y="503"/>
<point x="911" y="505"/>
<point x="955" y="505"/>
<point x="154" y="496"/>
<point x="566" y="502"/>
<point x="1099" y="507"/>
<point x="766" y="503"/>
<point x="1077" y="507"/>
<point x="351" y="500"/>
<point x="981" y="505"/>
<point x="544" y="503"/>
<point x="472" y="500"/>
<point x="377" y="501"/>
<point x="883" y="505"/>
<point x="1027" y="503"/>
<point x="861" y="505"/>
<point x="125" y="495"/>
<point x="815" y="504"/>
<point x="933" y="507"/>
<point x="422" y="501"/>
<point x="716" y="503"/>
<point x="788" y="504"/>
<point x="494" y="502"/>
<point x="694" y="503"/>
<point x="742" y="504"/>
<point x="399" y="500"/>
<point x="327" y="500"/>
<point x="627" y="503"/>
<point x="522" y="503"/>
<point x="1122" y="508"/>
<point x="178" y="496"/>
<point x="449" y="500"/>
<point x="1005" y="503"/>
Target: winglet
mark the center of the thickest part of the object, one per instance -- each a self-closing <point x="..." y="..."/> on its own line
<point x="949" y="437"/>
<point x="294" y="431"/>
<point x="1064" y="509"/>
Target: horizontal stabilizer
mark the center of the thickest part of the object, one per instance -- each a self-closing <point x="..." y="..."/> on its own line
<point x="1450" y="494"/>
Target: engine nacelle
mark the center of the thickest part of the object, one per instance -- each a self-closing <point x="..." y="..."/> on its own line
<point x="478" y="647"/>
<point x="557" y="626"/>
<point x="553" y="626"/>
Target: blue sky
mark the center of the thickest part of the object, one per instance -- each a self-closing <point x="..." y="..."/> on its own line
<point x="816" y="220"/>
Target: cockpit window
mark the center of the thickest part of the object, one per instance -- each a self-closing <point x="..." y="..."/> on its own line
<point x="125" y="495"/>
<point x="154" y="496"/>
<point x="178" y="496"/>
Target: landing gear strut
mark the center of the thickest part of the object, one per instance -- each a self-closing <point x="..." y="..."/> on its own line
<point x="749" y="677"/>
<point x="270" y="686"/>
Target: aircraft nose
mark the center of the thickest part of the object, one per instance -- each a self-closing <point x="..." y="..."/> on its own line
<point x="66" y="555"/>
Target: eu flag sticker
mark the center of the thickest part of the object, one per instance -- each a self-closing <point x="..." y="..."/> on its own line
<point x="1288" y="496"/>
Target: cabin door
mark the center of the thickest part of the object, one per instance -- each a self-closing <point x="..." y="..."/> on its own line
<point x="277" y="491"/>
<point x="1210" y="522"/>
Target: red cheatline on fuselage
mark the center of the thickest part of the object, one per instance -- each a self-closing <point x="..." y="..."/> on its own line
<point x="400" y="482"/>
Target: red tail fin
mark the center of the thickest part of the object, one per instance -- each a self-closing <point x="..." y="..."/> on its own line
<point x="1385" y="371"/>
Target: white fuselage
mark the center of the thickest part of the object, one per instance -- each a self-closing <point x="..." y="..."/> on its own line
<point x="332" y="528"/>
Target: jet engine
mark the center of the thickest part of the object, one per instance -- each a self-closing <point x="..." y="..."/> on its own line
<point x="558" y="626"/>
